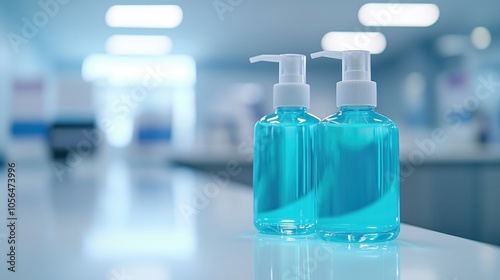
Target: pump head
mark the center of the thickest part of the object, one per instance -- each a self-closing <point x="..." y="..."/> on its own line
<point x="292" y="66"/>
<point x="356" y="87"/>
<point x="292" y="90"/>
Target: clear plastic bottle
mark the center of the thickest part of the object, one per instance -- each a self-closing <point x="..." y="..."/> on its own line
<point x="283" y="191"/>
<point x="357" y="161"/>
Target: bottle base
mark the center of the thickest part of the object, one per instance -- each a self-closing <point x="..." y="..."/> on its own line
<point x="284" y="228"/>
<point x="358" y="237"/>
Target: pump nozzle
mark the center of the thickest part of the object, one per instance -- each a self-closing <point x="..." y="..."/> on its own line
<point x="292" y="66"/>
<point x="356" y="87"/>
<point x="292" y="89"/>
<point x="330" y="54"/>
<point x="355" y="64"/>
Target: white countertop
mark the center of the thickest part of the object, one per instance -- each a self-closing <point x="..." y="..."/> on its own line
<point x="121" y="221"/>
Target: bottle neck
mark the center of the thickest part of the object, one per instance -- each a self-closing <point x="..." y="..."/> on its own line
<point x="362" y="108"/>
<point x="291" y="110"/>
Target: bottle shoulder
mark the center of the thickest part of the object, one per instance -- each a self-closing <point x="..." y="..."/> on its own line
<point x="361" y="118"/>
<point x="288" y="118"/>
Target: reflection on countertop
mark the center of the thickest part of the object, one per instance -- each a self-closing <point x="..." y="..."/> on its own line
<point x="277" y="257"/>
<point x="116" y="220"/>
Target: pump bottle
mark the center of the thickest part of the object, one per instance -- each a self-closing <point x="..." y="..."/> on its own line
<point x="283" y="146"/>
<point x="357" y="161"/>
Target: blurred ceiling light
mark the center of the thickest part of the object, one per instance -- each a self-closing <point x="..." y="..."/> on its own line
<point x="452" y="45"/>
<point x="169" y="70"/>
<point x="374" y="42"/>
<point x="398" y="14"/>
<point x="480" y="37"/>
<point x="144" y="16"/>
<point x="138" y="45"/>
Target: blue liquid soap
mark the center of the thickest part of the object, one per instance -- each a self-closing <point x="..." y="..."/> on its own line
<point x="283" y="190"/>
<point x="357" y="176"/>
<point x="357" y="161"/>
<point x="284" y="197"/>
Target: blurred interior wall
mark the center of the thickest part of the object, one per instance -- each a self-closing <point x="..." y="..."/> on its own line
<point x="27" y="94"/>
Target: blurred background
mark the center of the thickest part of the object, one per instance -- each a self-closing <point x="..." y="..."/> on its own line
<point x="95" y="89"/>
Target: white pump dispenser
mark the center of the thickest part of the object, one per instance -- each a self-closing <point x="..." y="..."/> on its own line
<point x="356" y="87"/>
<point x="292" y="90"/>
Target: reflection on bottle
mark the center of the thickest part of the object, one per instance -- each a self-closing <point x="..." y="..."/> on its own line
<point x="282" y="257"/>
<point x="355" y="261"/>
